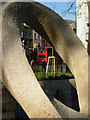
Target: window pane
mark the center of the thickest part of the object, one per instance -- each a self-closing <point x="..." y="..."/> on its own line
<point x="42" y="50"/>
<point x="42" y="56"/>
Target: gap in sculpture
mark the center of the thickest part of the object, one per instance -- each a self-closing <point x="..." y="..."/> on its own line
<point x="63" y="90"/>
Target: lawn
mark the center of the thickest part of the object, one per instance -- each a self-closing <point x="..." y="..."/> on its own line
<point x="52" y="76"/>
<point x="1" y="82"/>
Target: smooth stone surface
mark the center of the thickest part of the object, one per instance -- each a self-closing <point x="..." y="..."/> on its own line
<point x="18" y="76"/>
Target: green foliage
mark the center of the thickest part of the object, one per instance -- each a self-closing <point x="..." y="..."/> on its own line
<point x="52" y="76"/>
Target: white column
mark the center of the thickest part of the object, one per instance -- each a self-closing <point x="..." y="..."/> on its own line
<point x="82" y="21"/>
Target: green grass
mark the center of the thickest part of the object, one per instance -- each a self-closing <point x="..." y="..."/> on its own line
<point x="52" y="76"/>
<point x="1" y="82"/>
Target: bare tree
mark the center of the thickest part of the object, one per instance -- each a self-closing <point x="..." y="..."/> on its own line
<point x="70" y="7"/>
<point x="54" y="6"/>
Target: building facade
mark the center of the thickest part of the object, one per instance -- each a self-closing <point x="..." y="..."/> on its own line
<point x="29" y="37"/>
<point x="82" y="15"/>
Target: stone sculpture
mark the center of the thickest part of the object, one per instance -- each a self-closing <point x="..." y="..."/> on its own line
<point x="18" y="76"/>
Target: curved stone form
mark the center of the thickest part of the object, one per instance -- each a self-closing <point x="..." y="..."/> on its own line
<point x="18" y="76"/>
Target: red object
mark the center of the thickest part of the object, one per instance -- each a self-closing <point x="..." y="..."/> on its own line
<point x="26" y="47"/>
<point x="42" y="54"/>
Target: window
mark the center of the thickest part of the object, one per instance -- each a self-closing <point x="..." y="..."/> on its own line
<point x="21" y="34"/>
<point x="41" y="50"/>
<point x="30" y="36"/>
<point x="34" y="35"/>
<point x="42" y="56"/>
<point x="38" y="37"/>
<point x="26" y="35"/>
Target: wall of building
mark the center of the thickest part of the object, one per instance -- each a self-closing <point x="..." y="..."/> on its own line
<point x="37" y="39"/>
<point x="31" y="36"/>
<point x="82" y="15"/>
<point x="89" y="30"/>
